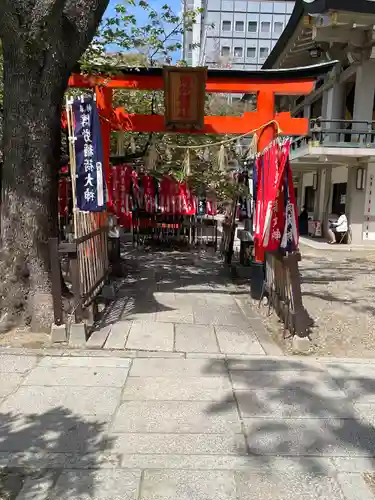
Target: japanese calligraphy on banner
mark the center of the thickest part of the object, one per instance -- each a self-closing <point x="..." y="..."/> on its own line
<point x="90" y="184"/>
<point x="290" y="237"/>
<point x="276" y="222"/>
<point x="184" y="97"/>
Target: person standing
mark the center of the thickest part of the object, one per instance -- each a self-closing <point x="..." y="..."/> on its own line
<point x="303" y="221"/>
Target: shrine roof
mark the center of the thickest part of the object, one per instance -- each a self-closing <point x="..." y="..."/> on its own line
<point x="295" y="31"/>
<point x="322" y="6"/>
<point x="300" y="73"/>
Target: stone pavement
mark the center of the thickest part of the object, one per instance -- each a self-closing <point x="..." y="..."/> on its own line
<point x="89" y="425"/>
<point x="175" y="302"/>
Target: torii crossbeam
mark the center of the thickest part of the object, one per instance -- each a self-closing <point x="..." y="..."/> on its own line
<point x="265" y="84"/>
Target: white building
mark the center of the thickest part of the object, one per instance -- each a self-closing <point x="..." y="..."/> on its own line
<point x="334" y="167"/>
<point x="234" y="33"/>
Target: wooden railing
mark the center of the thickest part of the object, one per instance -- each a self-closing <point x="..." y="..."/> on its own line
<point x="87" y="271"/>
<point x="282" y="286"/>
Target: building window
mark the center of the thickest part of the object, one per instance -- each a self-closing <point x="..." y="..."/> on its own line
<point x="251" y="52"/>
<point x="265" y="26"/>
<point x="252" y="27"/>
<point x="240" y="26"/>
<point x="278" y="27"/>
<point x="190" y="47"/>
<point x="225" y="51"/>
<point x="238" y="52"/>
<point x="263" y="52"/>
<point x="227" y="26"/>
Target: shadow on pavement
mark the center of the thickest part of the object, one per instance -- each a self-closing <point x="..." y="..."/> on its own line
<point x="149" y="273"/>
<point x="35" y="448"/>
<point x="296" y="410"/>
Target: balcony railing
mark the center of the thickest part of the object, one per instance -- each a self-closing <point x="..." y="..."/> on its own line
<point x="338" y="133"/>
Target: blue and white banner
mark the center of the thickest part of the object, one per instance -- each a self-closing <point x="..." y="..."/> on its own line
<point x="90" y="181"/>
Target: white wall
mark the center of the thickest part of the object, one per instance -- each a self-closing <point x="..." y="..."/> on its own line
<point x="339" y="175"/>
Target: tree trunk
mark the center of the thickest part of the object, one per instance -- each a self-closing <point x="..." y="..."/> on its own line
<point x="31" y="145"/>
<point x="42" y="41"/>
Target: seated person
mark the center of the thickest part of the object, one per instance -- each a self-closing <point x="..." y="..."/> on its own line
<point x="339" y="227"/>
<point x="303" y="221"/>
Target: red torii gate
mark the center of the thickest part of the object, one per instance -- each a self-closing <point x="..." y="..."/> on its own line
<point x="265" y="84"/>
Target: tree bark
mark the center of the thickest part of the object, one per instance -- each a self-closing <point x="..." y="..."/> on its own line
<point x="42" y="40"/>
<point x="31" y="146"/>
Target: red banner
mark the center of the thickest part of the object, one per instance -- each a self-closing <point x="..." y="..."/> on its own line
<point x="211" y="207"/>
<point x="149" y="193"/>
<point x="120" y="184"/>
<point x="176" y="198"/>
<point x="64" y="196"/>
<point x="275" y="199"/>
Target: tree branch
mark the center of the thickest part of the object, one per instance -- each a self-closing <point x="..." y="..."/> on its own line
<point x="166" y="38"/>
<point x="83" y="17"/>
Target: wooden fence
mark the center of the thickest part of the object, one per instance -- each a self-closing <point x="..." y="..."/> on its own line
<point x="87" y="265"/>
<point x="282" y="286"/>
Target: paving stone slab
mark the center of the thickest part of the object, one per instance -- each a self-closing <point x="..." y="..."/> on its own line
<point x="178" y="444"/>
<point x="291" y="403"/>
<point x="174" y="417"/>
<point x="178" y="368"/>
<point x="188" y="485"/>
<point x="205" y="355"/>
<point x="220" y="316"/>
<point x="195" y="338"/>
<point x="86" y="361"/>
<point x="354" y="487"/>
<point x="77" y="376"/>
<point x="252" y="363"/>
<point x="167" y="299"/>
<point x="185" y="462"/>
<point x="246" y="306"/>
<point x="286" y="486"/>
<point x="54" y="433"/>
<point x="146" y="316"/>
<point x="237" y="340"/>
<point x="365" y="412"/>
<point x="354" y="464"/>
<point x="9" y="383"/>
<point x="185" y="298"/>
<point x="311" y="382"/>
<point x="97" y="338"/>
<point x="160" y="354"/>
<point x="39" y="487"/>
<point x="358" y="381"/>
<point x="73" y="460"/>
<point x="17" y="364"/>
<point x="177" y="315"/>
<point x="177" y="389"/>
<point x="316" y="465"/>
<point x="221" y="299"/>
<point x="309" y="437"/>
<point x="75" y="400"/>
<point x="118" y="335"/>
<point x="151" y="336"/>
<point x="110" y="484"/>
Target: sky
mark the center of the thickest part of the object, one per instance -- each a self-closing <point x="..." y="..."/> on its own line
<point x="141" y="14"/>
<point x="175" y="5"/>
